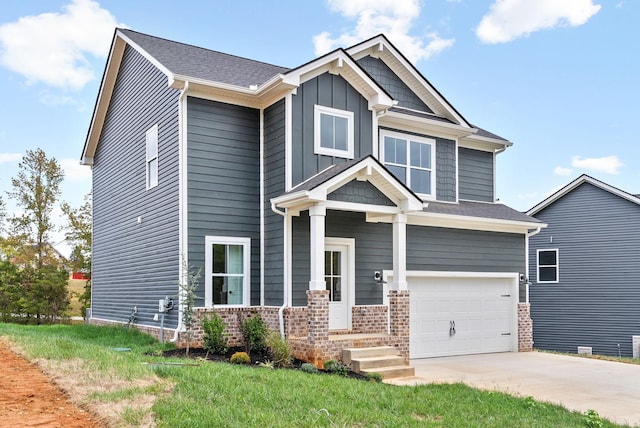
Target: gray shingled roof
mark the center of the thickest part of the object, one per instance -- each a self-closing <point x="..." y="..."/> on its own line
<point x="192" y="61"/>
<point x="479" y="209"/>
<point x="484" y="133"/>
<point x="420" y="114"/>
<point x="324" y="176"/>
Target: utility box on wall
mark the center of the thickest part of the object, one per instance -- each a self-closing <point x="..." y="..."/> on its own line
<point x="635" y="346"/>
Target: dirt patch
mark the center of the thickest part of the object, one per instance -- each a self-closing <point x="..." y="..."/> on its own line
<point x="29" y="399"/>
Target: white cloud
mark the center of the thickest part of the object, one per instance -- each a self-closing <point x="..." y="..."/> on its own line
<point x="560" y="170"/>
<point x="73" y="171"/>
<point x="511" y="19"/>
<point x="608" y="164"/>
<point x="10" y="157"/>
<point x="55" y="48"/>
<point x="393" y="18"/>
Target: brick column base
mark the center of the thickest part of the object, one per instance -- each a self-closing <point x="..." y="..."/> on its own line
<point x="318" y="326"/>
<point x="399" y="321"/>
<point x="525" y="328"/>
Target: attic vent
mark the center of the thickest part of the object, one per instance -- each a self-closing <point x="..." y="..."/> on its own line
<point x="587" y="350"/>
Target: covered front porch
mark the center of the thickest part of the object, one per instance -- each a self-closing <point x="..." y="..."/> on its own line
<point x="334" y="221"/>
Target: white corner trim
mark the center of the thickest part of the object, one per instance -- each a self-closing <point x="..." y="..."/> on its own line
<point x="262" y="213"/>
<point x="288" y="137"/>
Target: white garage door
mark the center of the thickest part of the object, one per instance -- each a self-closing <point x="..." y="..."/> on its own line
<point x="462" y="315"/>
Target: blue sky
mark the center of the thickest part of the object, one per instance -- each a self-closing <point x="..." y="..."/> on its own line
<point x="557" y="78"/>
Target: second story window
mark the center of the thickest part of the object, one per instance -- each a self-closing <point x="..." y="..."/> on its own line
<point x="333" y="132"/>
<point x="548" y="266"/>
<point x="152" y="157"/>
<point x="410" y="159"/>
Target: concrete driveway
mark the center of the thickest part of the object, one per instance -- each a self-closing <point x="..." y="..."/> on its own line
<point x="610" y="388"/>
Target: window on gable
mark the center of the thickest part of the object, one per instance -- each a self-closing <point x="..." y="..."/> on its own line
<point x="411" y="160"/>
<point x="152" y="157"/>
<point x="548" y="265"/>
<point x="227" y="270"/>
<point x="333" y="132"/>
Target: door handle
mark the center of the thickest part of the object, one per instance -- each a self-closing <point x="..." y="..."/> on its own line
<point x="452" y="328"/>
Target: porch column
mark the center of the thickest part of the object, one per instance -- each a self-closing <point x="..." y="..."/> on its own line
<point x="317" y="214"/>
<point x="399" y="252"/>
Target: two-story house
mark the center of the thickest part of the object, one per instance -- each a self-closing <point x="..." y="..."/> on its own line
<point x="345" y="200"/>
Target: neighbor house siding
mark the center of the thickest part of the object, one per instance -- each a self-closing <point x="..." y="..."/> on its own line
<point x="327" y="90"/>
<point x="476" y="175"/>
<point x="597" y="300"/>
<point x="388" y="80"/>
<point x="274" y="186"/>
<point x="223" y="174"/>
<point x="135" y="231"/>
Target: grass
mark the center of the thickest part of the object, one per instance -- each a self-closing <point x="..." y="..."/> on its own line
<point x="129" y="393"/>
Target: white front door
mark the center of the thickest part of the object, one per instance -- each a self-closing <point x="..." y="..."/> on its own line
<point x="338" y="275"/>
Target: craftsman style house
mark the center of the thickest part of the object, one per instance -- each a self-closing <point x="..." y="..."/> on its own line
<point x="584" y="270"/>
<point x="344" y="200"/>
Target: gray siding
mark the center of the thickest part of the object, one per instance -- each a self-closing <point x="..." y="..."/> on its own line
<point x="330" y="91"/>
<point x="476" y="175"/>
<point x="135" y="264"/>
<point x="223" y="169"/>
<point x="274" y="147"/>
<point x="597" y="301"/>
<point x="428" y="248"/>
<point x="361" y="192"/>
<point x="445" y="165"/>
<point x="387" y="79"/>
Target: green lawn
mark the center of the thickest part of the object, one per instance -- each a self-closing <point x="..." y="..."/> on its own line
<point x="131" y="393"/>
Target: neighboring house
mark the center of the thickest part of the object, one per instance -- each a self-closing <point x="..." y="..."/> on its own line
<point x="585" y="269"/>
<point x="329" y="198"/>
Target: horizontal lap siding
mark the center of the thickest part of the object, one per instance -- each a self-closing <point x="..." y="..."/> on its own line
<point x="223" y="168"/>
<point x="274" y="146"/>
<point x="597" y="301"/>
<point x="476" y="175"/>
<point x="136" y="264"/>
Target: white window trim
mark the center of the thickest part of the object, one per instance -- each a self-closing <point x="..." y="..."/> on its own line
<point x="409" y="138"/>
<point x="151" y="136"/>
<point x="557" y="266"/>
<point x="317" y="148"/>
<point x="208" y="271"/>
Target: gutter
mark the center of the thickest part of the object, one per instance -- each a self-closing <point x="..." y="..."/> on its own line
<point x="526" y="256"/>
<point x="184" y="263"/>
<point x="285" y="291"/>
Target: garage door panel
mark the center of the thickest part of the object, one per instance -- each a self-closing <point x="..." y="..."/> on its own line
<point x="483" y="310"/>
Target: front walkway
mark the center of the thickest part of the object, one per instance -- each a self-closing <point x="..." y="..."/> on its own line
<point x="610" y="388"/>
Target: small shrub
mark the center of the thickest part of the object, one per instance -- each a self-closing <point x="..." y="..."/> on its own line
<point x="215" y="340"/>
<point x="266" y="365"/>
<point x="240" y="358"/>
<point x="592" y="419"/>
<point x="254" y="333"/>
<point x="336" y="367"/>
<point x="373" y="377"/>
<point x="308" y="368"/>
<point x="278" y="349"/>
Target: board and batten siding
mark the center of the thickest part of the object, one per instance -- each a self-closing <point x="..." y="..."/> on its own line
<point x="476" y="175"/>
<point x="223" y="176"/>
<point x="135" y="231"/>
<point x="274" y="186"/>
<point x="333" y="91"/>
<point x="428" y="249"/>
<point x="597" y="299"/>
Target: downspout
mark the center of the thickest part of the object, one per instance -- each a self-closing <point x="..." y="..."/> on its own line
<point x="526" y="254"/>
<point x="285" y="293"/>
<point x="182" y="199"/>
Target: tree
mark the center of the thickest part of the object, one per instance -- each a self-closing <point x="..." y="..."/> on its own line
<point x="80" y="236"/>
<point x="36" y="190"/>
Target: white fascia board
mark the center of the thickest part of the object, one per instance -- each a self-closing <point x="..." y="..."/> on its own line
<point x="473" y="223"/>
<point x="104" y="99"/>
<point x="379" y="47"/>
<point x="478" y="142"/>
<point x="145" y="54"/>
<point x="577" y="182"/>
<point x="422" y="124"/>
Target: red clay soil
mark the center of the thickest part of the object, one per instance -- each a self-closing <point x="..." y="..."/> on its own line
<point x="29" y="399"/>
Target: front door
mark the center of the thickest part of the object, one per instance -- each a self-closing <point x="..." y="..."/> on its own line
<point x="337" y="275"/>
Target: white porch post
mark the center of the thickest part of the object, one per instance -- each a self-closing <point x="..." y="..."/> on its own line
<point x="399" y="252"/>
<point x="317" y="214"/>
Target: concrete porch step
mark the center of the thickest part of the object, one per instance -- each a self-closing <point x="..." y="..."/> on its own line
<point x="385" y="360"/>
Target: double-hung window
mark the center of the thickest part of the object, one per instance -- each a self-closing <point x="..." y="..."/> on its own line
<point x="227" y="271"/>
<point x="333" y="132"/>
<point x="411" y="160"/>
<point x="548" y="266"/>
<point x="151" y="139"/>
